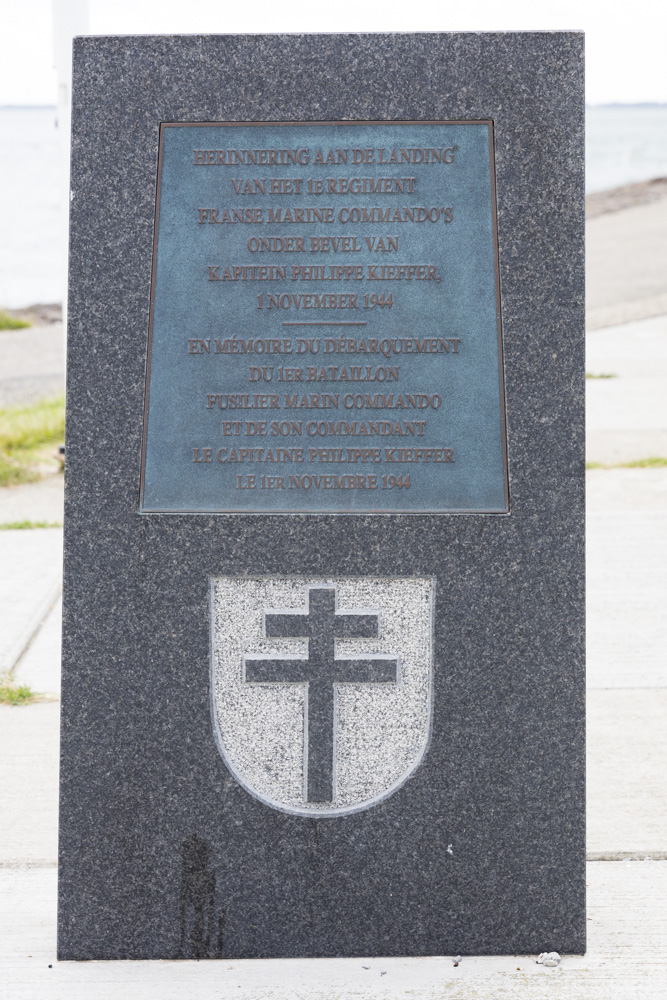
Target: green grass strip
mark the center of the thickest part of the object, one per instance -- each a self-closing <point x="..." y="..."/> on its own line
<point x="8" y="322"/>
<point x="639" y="463"/>
<point x="603" y="375"/>
<point x="646" y="463"/>
<point x="25" y="431"/>
<point x="28" y="525"/>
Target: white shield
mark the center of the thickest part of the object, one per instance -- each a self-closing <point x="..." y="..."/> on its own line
<point x="321" y="690"/>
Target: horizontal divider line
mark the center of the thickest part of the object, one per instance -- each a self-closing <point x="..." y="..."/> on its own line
<point x="306" y="323"/>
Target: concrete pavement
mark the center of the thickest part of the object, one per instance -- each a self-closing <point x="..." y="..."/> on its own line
<point x="41" y="501"/>
<point x="626" y="415"/>
<point x="32" y="364"/>
<point x="30" y="584"/>
<point x="626" y="277"/>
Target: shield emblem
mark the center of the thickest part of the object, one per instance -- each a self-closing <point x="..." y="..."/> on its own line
<point x="322" y="689"/>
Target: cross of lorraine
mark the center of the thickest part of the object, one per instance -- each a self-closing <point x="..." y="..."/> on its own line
<point x="321" y="672"/>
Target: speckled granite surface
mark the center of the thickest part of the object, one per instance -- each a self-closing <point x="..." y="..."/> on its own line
<point x="162" y="852"/>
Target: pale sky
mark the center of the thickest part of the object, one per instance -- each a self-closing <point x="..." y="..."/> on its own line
<point x="625" y="42"/>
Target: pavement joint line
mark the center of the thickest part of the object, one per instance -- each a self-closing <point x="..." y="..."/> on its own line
<point x="616" y="856"/>
<point x="26" y="865"/>
<point x="629" y="687"/>
<point x="30" y="633"/>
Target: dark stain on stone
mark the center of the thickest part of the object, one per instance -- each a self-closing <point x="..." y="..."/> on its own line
<point x="201" y="934"/>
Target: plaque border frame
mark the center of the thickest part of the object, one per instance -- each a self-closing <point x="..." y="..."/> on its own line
<point x="489" y="122"/>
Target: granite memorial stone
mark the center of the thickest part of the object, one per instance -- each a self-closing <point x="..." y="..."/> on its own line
<point x="323" y="627"/>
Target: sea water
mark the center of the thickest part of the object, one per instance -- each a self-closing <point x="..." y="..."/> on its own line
<point x="33" y="248"/>
<point x="625" y="143"/>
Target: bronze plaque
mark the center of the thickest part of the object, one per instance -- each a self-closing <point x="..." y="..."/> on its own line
<point x="325" y="330"/>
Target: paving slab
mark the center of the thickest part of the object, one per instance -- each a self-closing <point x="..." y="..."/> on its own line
<point x="628" y="405"/>
<point x="30" y="583"/>
<point x="628" y="491"/>
<point x="29" y="742"/>
<point x="626" y="957"/>
<point x="626" y="598"/>
<point x="39" y="666"/>
<point x="32" y="364"/>
<point x="626" y="278"/>
<point x="629" y="350"/>
<point x="626" y="416"/>
<point x="627" y="773"/>
<point x="40" y="501"/>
